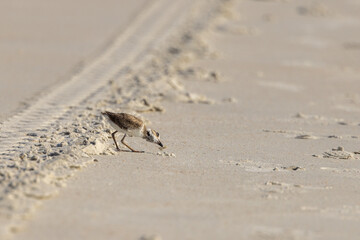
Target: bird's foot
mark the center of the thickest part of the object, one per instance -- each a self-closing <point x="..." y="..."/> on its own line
<point x="122" y="150"/>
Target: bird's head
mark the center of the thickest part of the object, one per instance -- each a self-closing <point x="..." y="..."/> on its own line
<point x="153" y="136"/>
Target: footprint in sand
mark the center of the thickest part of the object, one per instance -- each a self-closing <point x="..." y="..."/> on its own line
<point x="275" y="189"/>
<point x="306" y="136"/>
<point x="339" y="153"/>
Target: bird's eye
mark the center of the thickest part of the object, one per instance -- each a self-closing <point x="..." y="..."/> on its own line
<point x="148" y="133"/>
<point x="157" y="134"/>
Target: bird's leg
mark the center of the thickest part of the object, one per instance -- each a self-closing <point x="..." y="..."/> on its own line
<point x="113" y="136"/>
<point x="122" y="141"/>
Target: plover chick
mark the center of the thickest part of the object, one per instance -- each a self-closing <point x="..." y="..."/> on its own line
<point x="131" y="126"/>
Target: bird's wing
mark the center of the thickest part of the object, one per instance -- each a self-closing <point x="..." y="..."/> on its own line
<point x="125" y="121"/>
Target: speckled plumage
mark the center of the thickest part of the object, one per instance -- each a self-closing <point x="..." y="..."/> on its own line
<point x="125" y="121"/>
<point x="131" y="126"/>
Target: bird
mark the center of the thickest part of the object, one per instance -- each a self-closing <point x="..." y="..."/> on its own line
<point x="131" y="126"/>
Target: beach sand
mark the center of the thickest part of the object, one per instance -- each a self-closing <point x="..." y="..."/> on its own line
<point x="257" y="103"/>
<point x="44" y="44"/>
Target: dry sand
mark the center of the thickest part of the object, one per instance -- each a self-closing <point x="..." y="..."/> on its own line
<point x="44" y="43"/>
<point x="258" y="105"/>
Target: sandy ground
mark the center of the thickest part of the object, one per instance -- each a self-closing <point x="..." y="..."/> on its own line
<point x="44" y="43"/>
<point x="276" y="156"/>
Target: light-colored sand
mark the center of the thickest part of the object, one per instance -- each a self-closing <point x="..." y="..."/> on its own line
<point x="45" y="143"/>
<point x="43" y="43"/>
<point x="271" y="151"/>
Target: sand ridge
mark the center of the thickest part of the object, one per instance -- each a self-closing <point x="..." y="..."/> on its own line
<point x="71" y="129"/>
<point x="244" y="168"/>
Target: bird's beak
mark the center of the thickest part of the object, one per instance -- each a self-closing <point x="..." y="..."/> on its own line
<point x="160" y="144"/>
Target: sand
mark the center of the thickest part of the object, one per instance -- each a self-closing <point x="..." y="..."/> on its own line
<point x="46" y="43"/>
<point x="257" y="104"/>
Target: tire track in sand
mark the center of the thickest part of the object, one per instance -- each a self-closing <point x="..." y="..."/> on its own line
<point x="150" y="27"/>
